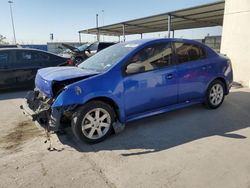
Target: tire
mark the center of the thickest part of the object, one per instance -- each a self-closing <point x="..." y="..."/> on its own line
<point x="93" y="121"/>
<point x="215" y="94"/>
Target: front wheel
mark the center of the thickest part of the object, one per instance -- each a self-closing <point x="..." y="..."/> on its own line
<point x="215" y="94"/>
<point x="93" y="121"/>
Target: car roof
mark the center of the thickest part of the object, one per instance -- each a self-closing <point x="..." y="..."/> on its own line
<point x="145" y="41"/>
<point x="101" y="42"/>
<point x="27" y="49"/>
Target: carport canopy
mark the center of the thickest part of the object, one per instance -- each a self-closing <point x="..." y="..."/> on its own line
<point x="207" y="15"/>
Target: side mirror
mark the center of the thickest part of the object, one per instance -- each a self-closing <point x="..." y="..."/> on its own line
<point x="135" y="68"/>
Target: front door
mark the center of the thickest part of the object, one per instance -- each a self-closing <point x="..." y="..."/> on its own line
<point x="150" y="80"/>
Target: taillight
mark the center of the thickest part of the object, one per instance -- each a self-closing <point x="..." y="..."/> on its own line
<point x="70" y="62"/>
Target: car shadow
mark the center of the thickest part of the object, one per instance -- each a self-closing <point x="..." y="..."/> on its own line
<point x="15" y="94"/>
<point x="175" y="128"/>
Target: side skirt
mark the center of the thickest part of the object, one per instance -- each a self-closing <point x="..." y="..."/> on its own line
<point x="162" y="110"/>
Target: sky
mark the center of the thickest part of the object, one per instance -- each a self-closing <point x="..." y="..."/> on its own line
<point x="34" y="20"/>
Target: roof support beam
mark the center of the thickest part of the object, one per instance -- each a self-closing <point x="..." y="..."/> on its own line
<point x="169" y="26"/>
<point x="123" y="32"/>
<point x="80" y="39"/>
<point x="207" y="15"/>
<point x="138" y="26"/>
<point x="195" y="20"/>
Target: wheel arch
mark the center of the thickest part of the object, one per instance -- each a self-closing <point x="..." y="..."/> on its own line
<point x="112" y="103"/>
<point x="223" y="80"/>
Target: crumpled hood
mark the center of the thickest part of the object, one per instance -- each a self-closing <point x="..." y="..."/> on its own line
<point x="45" y="77"/>
<point x="63" y="73"/>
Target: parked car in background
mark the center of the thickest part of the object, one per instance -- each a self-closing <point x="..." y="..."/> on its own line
<point x="18" y="66"/>
<point x="9" y="46"/>
<point x="86" y="50"/>
<point x="129" y="81"/>
<point x="66" y="53"/>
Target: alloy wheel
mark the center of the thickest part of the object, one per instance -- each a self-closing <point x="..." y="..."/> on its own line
<point x="216" y="94"/>
<point x="96" y="123"/>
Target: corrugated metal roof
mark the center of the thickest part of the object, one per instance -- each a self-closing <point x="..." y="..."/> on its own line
<point x="195" y="17"/>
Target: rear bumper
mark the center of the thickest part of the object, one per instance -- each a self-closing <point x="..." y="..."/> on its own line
<point x="39" y="110"/>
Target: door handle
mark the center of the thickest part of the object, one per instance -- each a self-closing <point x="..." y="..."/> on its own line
<point x="169" y="76"/>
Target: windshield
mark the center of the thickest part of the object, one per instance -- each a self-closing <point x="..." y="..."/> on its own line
<point x="107" y="57"/>
<point x="83" y="47"/>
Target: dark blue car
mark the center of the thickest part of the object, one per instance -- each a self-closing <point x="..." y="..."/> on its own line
<point x="129" y="81"/>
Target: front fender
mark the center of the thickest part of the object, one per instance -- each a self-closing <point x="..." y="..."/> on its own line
<point x="70" y="97"/>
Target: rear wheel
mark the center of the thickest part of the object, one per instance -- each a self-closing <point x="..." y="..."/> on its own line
<point x="93" y="122"/>
<point x="215" y="94"/>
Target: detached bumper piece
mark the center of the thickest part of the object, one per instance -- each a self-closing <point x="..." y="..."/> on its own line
<point x="38" y="108"/>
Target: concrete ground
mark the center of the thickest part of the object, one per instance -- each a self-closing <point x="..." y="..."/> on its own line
<point x="192" y="147"/>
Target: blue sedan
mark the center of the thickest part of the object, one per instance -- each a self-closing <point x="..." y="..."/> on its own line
<point x="126" y="82"/>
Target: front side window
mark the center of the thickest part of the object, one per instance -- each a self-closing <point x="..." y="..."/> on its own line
<point x="150" y="58"/>
<point x="4" y="56"/>
<point x="188" y="52"/>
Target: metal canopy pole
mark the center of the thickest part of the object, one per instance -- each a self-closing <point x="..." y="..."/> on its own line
<point x="173" y="34"/>
<point x="141" y="36"/>
<point x="123" y="32"/>
<point x="169" y="26"/>
<point x="98" y="32"/>
<point x="12" y="20"/>
<point x="98" y="35"/>
<point x="80" y="39"/>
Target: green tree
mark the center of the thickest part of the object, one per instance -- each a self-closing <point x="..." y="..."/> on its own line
<point x="2" y="39"/>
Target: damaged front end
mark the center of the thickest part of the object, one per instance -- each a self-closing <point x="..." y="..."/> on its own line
<point x="57" y="96"/>
<point x="38" y="104"/>
<point x="38" y="107"/>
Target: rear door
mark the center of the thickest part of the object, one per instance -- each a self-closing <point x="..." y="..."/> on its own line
<point x="51" y="60"/>
<point x="26" y="65"/>
<point x="192" y="71"/>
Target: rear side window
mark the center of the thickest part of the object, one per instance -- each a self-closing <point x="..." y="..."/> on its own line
<point x="188" y="52"/>
<point x="44" y="56"/>
<point x="4" y="57"/>
<point x="54" y="58"/>
<point x="31" y="56"/>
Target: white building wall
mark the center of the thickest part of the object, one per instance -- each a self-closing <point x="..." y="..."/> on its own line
<point x="236" y="38"/>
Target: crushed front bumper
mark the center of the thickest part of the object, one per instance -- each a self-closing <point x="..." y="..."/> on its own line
<point x="38" y="107"/>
